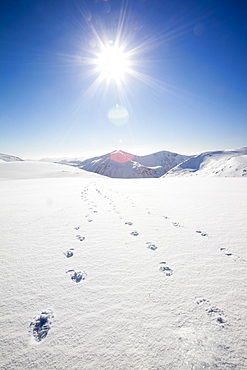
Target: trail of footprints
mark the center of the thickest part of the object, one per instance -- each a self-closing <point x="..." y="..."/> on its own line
<point x="163" y="267"/>
<point x="204" y="234"/>
<point x="76" y="276"/>
<point x="41" y="325"/>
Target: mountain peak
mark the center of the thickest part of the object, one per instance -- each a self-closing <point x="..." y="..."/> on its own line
<point x="120" y="156"/>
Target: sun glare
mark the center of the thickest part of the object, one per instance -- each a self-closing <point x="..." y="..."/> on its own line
<point x="112" y="63"/>
<point x="118" y="59"/>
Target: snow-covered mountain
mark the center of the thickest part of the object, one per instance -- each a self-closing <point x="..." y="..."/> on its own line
<point x="225" y="163"/>
<point x="9" y="158"/>
<point x="119" y="164"/>
<point x="62" y="160"/>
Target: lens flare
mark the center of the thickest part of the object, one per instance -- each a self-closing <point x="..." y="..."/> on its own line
<point x="121" y="157"/>
<point x="118" y="115"/>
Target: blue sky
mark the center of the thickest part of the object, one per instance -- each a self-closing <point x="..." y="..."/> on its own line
<point x="185" y="89"/>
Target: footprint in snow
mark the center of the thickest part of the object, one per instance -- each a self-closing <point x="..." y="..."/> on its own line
<point x="81" y="238"/>
<point x="134" y="233"/>
<point x="167" y="270"/>
<point x="77" y="227"/>
<point x="129" y="223"/>
<point x="216" y="314"/>
<point x="176" y="224"/>
<point x="69" y="253"/>
<point x="151" y="246"/>
<point x="201" y="233"/>
<point x="213" y="312"/>
<point x="227" y="253"/>
<point x="77" y="276"/>
<point x="41" y="325"/>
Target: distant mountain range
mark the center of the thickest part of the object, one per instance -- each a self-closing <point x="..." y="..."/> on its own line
<point x="120" y="164"/>
<point x="225" y="163"/>
<point x="62" y="160"/>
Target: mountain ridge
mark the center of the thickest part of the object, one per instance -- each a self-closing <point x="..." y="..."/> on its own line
<point x="9" y="158"/>
<point x="222" y="163"/>
<point x="120" y="164"/>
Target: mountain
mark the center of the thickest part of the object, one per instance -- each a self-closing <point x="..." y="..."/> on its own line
<point x="119" y="164"/>
<point x="62" y="160"/>
<point x="9" y="158"/>
<point x="225" y="163"/>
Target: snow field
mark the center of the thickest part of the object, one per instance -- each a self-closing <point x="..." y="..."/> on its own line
<point x="165" y="273"/>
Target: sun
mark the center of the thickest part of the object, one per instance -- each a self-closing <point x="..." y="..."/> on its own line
<point x="112" y="63"/>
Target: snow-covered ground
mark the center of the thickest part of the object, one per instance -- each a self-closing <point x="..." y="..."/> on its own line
<point x="36" y="169"/>
<point x="119" y="274"/>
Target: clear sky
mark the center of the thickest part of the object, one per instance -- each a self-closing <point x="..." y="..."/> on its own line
<point x="85" y="77"/>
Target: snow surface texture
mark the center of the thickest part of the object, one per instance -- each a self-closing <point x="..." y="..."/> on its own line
<point x="125" y="165"/>
<point x="33" y="169"/>
<point x="102" y="273"/>
<point x="227" y="163"/>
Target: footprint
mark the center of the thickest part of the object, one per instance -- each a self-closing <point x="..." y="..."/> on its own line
<point x="228" y="254"/>
<point x="213" y="312"/>
<point x="77" y="227"/>
<point x="202" y="300"/>
<point x="69" y="253"/>
<point x="77" y="276"/>
<point x="167" y="270"/>
<point x="151" y="246"/>
<point x="81" y="238"/>
<point x="135" y="233"/>
<point x="176" y="224"/>
<point x="216" y="314"/>
<point x="166" y="218"/>
<point x="129" y="223"/>
<point x="41" y="325"/>
<point x="202" y="233"/>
